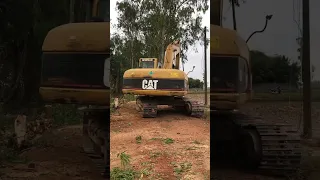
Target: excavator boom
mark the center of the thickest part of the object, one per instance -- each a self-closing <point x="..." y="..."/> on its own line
<point x="172" y="56"/>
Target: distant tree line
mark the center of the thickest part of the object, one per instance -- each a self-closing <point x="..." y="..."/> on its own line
<point x="274" y="69"/>
<point x="195" y="83"/>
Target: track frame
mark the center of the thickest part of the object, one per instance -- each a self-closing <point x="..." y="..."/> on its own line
<point x="269" y="148"/>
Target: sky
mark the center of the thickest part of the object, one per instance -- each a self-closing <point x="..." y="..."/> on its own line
<point x="195" y="58"/>
<point x="281" y="33"/>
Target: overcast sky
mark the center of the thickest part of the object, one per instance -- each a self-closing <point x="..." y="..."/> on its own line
<point x="281" y="33"/>
<point x="195" y="58"/>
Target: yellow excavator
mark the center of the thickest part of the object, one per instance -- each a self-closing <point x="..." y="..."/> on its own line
<point x="274" y="148"/>
<point x="164" y="85"/>
<point x="76" y="69"/>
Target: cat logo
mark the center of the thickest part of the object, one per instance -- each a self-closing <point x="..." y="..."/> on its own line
<point x="149" y="84"/>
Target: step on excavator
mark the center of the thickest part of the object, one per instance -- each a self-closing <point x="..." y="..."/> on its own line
<point x="155" y="85"/>
<point x="75" y="70"/>
<point x="271" y="148"/>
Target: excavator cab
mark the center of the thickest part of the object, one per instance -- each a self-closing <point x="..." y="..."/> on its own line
<point x="229" y="53"/>
<point x="76" y="60"/>
<point x="148" y="63"/>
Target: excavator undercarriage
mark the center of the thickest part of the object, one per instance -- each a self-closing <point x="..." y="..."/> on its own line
<point x="148" y="105"/>
<point x="270" y="148"/>
<point x="96" y="133"/>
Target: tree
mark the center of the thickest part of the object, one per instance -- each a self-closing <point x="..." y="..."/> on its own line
<point x="24" y="25"/>
<point x="273" y="69"/>
<point x="237" y="2"/>
<point x="313" y="69"/>
<point x="157" y="23"/>
<point x="195" y="83"/>
<point x="145" y="28"/>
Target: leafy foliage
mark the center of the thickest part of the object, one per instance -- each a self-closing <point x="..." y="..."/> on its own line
<point x="195" y="83"/>
<point x="126" y="171"/>
<point x="145" y="28"/>
<point x="237" y="2"/>
<point x="23" y="27"/>
<point x="273" y="69"/>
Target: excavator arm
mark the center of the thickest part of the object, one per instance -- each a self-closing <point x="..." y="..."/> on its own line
<point x="97" y="10"/>
<point x="172" y="56"/>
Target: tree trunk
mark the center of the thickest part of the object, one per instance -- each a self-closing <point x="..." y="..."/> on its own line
<point x="71" y="11"/>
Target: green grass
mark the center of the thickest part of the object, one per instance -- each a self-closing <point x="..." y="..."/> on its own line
<point x="125" y="172"/>
<point x="66" y="114"/>
<point x="168" y="141"/>
<point x="138" y="139"/>
<point x="181" y="168"/>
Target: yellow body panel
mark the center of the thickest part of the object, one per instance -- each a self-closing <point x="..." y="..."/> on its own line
<point x="154" y="92"/>
<point x="156" y="74"/>
<point x="81" y="96"/>
<point x="227" y="42"/>
<point x="83" y="37"/>
<point x="77" y="37"/>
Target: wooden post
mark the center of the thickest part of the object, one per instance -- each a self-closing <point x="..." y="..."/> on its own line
<point x="205" y="67"/>
<point x="307" y="121"/>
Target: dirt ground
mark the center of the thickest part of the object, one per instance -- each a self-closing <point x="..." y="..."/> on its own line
<point x="167" y="147"/>
<point x="170" y="146"/>
<point x="56" y="155"/>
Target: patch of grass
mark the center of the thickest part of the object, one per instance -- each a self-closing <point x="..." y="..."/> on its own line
<point x="147" y="169"/>
<point x="164" y="140"/>
<point x="127" y="174"/>
<point x="66" y="114"/>
<point x="138" y="139"/>
<point x="125" y="159"/>
<point x="144" y="164"/>
<point x="196" y="142"/>
<point x="191" y="148"/>
<point x="129" y="97"/>
<point x="168" y="141"/>
<point x="11" y="155"/>
<point x="125" y="171"/>
<point x="155" y="154"/>
<point x="181" y="168"/>
<point x="116" y="131"/>
<point x="155" y="139"/>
